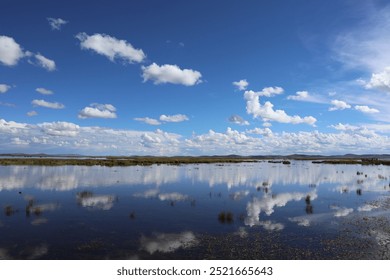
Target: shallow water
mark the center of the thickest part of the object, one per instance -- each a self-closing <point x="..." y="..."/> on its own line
<point x="162" y="211"/>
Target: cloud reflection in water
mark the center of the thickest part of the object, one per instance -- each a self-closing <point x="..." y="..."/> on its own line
<point x="168" y="242"/>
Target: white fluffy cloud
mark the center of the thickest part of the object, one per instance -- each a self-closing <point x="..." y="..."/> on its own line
<point x="56" y="23"/>
<point x="267" y="92"/>
<point x="305" y="96"/>
<point x="43" y="103"/>
<point x="111" y="47"/>
<point x="170" y="74"/>
<point x="267" y="113"/>
<point x="345" y="127"/>
<point x="10" y="51"/>
<point x="100" y="140"/>
<point x="380" y="80"/>
<point x="339" y="105"/>
<point x="241" y="84"/>
<point x="4" y="88"/>
<point x="95" y="110"/>
<point x="163" y="118"/>
<point x="60" y="128"/>
<point x="366" y="109"/>
<point x="238" y="120"/>
<point x="260" y="131"/>
<point x="355" y="130"/>
<point x="44" y="91"/>
<point x="62" y="137"/>
<point x="44" y="62"/>
<point x="174" y="118"/>
<point x="148" y="120"/>
<point x="300" y="96"/>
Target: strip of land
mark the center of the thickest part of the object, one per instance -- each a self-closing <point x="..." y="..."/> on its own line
<point x="112" y="161"/>
<point x="59" y="160"/>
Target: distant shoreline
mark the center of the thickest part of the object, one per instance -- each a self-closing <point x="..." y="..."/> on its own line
<point x="46" y="160"/>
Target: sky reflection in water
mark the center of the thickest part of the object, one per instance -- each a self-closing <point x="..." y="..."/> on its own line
<point x="75" y="211"/>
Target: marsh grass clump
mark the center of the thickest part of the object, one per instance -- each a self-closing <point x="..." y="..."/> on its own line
<point x="9" y="210"/>
<point x="225" y="217"/>
<point x="132" y="215"/>
<point x="84" y="194"/>
<point x="309" y="207"/>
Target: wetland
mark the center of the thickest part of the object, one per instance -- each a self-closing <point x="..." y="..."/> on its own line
<point x="204" y="209"/>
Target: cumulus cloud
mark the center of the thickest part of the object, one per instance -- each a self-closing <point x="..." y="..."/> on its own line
<point x="241" y="84"/>
<point x="267" y="113"/>
<point x="10" y="51"/>
<point x="89" y="140"/>
<point x="305" y="96"/>
<point x="339" y="105"/>
<point x="44" y="62"/>
<point x="174" y="118"/>
<point x="99" y="140"/>
<point x="148" y="120"/>
<point x="44" y="91"/>
<point x="56" y="23"/>
<point x="366" y="109"/>
<point x="300" y="96"/>
<point x="355" y="130"/>
<point x="60" y="129"/>
<point x="238" y="120"/>
<point x="260" y="131"/>
<point x="19" y="142"/>
<point x="345" y="127"/>
<point x="4" y="88"/>
<point x="95" y="110"/>
<point x="51" y="105"/>
<point x="168" y="73"/>
<point x="267" y="92"/>
<point x="380" y="80"/>
<point x="111" y="47"/>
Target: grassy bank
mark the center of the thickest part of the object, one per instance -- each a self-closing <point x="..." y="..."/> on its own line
<point x="113" y="161"/>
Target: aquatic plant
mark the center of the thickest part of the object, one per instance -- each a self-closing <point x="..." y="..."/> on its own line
<point x="225" y="217"/>
<point x="9" y="210"/>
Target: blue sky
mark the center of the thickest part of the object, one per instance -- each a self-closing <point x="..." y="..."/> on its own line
<point x="195" y="77"/>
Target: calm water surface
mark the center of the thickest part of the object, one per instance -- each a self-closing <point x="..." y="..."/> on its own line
<point x="162" y="211"/>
